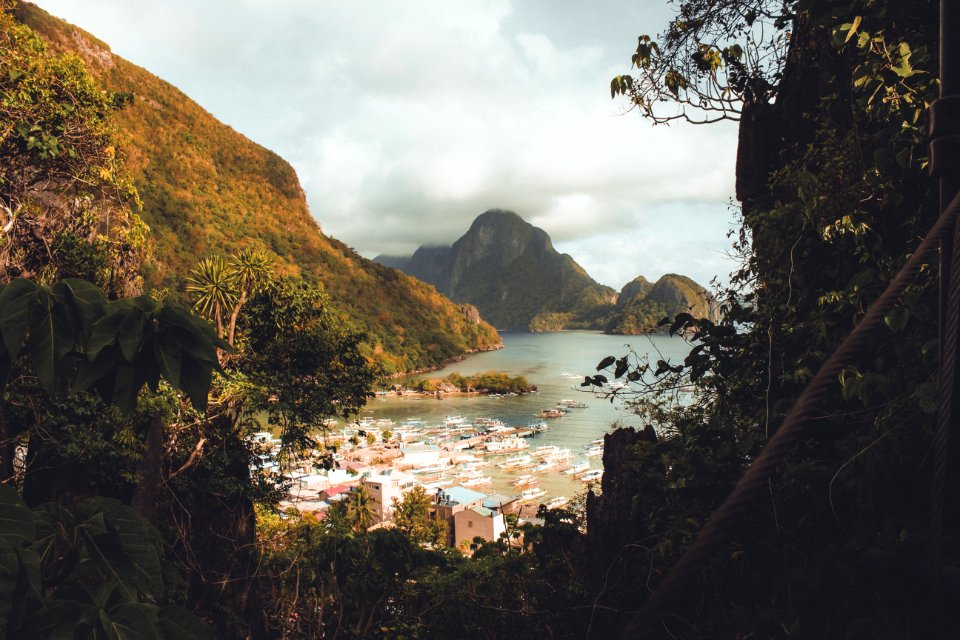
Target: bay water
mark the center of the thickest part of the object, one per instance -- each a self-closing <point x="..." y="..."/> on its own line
<point x="556" y="364"/>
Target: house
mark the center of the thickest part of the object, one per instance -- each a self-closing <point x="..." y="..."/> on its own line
<point x="502" y="504"/>
<point x="451" y="501"/>
<point x="419" y="454"/>
<point x="477" y="522"/>
<point x="385" y="487"/>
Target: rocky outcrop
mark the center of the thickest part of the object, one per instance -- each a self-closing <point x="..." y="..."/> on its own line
<point x="511" y="272"/>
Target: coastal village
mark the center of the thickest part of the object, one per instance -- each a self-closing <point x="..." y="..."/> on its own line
<point x="452" y="461"/>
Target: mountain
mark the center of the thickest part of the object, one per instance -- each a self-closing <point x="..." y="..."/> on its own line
<point x="641" y="305"/>
<point x="510" y="271"/>
<point x="207" y="189"/>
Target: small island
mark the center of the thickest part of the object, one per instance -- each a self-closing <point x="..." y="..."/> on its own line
<point x="487" y="382"/>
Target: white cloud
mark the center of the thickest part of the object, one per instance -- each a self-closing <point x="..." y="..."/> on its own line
<point x="406" y="120"/>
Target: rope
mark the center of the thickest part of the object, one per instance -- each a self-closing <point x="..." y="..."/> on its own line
<point x="717" y="532"/>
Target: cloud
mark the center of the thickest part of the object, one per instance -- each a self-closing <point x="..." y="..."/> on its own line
<point x="406" y="120"/>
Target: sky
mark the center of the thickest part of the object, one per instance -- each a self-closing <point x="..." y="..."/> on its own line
<point x="406" y="120"/>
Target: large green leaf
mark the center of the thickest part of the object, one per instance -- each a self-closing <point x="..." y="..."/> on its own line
<point x="129" y="548"/>
<point x="104" y="332"/>
<point x="132" y="621"/>
<point x="9" y="571"/>
<point x="16" y="521"/>
<point x="17" y="301"/>
<point x="130" y="333"/>
<point x="195" y="380"/>
<point x="87" y="299"/>
<point x="43" y="348"/>
<point x="169" y="357"/>
<point x="177" y="623"/>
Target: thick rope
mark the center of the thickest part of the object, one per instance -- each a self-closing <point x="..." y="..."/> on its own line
<point x="717" y="532"/>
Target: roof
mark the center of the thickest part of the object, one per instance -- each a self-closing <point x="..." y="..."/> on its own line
<point x="486" y="513"/>
<point x="460" y="495"/>
<point x="419" y="447"/>
<point x="332" y="491"/>
<point x="496" y="501"/>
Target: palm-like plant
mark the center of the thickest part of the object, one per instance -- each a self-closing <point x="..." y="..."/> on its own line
<point x="220" y="288"/>
<point x="250" y="270"/>
<point x="360" y="509"/>
<point x="337" y="519"/>
<point x="212" y="284"/>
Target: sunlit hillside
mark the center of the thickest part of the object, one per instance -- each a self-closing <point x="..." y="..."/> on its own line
<point x="207" y="189"/>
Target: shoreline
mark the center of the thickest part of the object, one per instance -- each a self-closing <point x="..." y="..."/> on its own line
<point x="443" y="363"/>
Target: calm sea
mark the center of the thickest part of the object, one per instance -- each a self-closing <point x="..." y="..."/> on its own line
<point x="550" y="361"/>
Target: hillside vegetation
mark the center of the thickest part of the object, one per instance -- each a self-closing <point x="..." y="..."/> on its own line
<point x="641" y="305"/>
<point x="206" y="189"/>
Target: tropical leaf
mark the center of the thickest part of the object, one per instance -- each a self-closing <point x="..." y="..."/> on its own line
<point x="177" y="623"/>
<point x="16" y="521"/>
<point x="131" y="621"/>
<point x="130" y="333"/>
<point x="17" y="302"/>
<point x="83" y="297"/>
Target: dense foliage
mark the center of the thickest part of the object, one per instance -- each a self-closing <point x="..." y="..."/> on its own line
<point x="641" y="305"/>
<point x="831" y="175"/>
<point x="484" y="382"/>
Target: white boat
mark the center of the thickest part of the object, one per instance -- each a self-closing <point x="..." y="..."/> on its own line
<point x="592" y="476"/>
<point x="516" y="461"/>
<point x="505" y="445"/>
<point x="477" y="482"/>
<point x="545" y="466"/>
<point x="532" y="494"/>
<point x="556" y="503"/>
<point x="539" y="426"/>
<point x="524" y="480"/>
<point x="567" y="403"/>
<point x="594" y="452"/>
<point x="580" y="467"/>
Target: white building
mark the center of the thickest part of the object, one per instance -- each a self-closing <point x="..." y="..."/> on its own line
<point x="419" y="455"/>
<point x="384" y="488"/>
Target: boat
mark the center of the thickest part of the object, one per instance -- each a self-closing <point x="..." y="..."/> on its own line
<point x="523" y="480"/>
<point x="477" y="482"/>
<point x="571" y="404"/>
<point x="592" y="476"/>
<point x="552" y="413"/>
<point x="505" y="446"/>
<point x="516" y="461"/>
<point x="539" y="426"/>
<point x="545" y="466"/>
<point x="580" y="467"/>
<point x="594" y="452"/>
<point x="532" y="494"/>
<point x="556" y="503"/>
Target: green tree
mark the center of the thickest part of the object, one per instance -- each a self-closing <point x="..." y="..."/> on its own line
<point x="360" y="509"/>
<point x="412" y="517"/>
<point x="65" y="199"/>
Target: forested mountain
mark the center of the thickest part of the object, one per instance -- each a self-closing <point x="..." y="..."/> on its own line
<point x="206" y="189"/>
<point x="642" y="305"/>
<point x="509" y="269"/>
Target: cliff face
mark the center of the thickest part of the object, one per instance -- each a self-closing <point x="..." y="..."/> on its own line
<point x="511" y="272"/>
<point x="207" y="189"/>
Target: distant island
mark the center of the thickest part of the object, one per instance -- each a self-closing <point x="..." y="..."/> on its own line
<point x="509" y="270"/>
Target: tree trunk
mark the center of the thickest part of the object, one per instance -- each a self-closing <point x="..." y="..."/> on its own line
<point x="150" y="472"/>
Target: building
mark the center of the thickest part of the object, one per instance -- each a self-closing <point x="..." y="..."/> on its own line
<point x="502" y="504"/>
<point x="449" y="502"/>
<point x="419" y="455"/>
<point x="385" y="487"/>
<point x="477" y="522"/>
